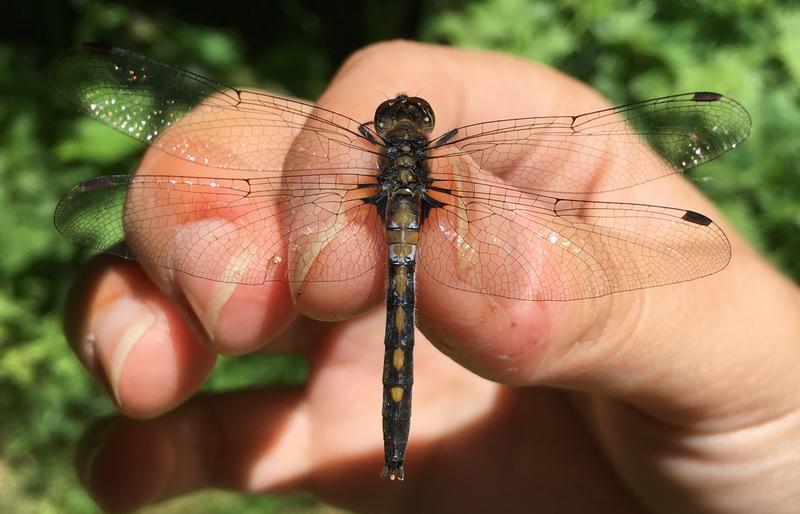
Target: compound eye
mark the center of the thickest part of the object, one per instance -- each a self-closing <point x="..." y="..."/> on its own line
<point x="383" y="115"/>
<point x="426" y="113"/>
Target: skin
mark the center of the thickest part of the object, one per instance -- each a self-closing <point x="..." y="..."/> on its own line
<point x="681" y="398"/>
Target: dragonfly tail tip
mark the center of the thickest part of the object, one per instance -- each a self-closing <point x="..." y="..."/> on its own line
<point x="393" y="472"/>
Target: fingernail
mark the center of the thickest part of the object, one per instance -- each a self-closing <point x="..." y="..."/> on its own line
<point x="220" y="294"/>
<point x="121" y="326"/>
<point x="125" y="464"/>
<point x="208" y="297"/>
<point x="305" y="250"/>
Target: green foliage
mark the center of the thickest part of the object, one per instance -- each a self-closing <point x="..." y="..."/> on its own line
<point x="234" y="373"/>
<point x="45" y="395"/>
<point x="747" y="49"/>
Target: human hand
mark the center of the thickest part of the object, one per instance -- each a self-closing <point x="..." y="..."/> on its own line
<point x="678" y="398"/>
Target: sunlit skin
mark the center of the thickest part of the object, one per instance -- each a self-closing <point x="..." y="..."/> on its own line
<point x="670" y="399"/>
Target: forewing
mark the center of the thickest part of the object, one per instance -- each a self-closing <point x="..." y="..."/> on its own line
<point x="203" y="121"/>
<point x="603" y="150"/>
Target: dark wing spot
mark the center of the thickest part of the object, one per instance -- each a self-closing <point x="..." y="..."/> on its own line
<point x="123" y="250"/>
<point x="96" y="183"/>
<point x="705" y="96"/>
<point x="697" y="218"/>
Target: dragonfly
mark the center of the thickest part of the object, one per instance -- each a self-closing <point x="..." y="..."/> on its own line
<point x="303" y="194"/>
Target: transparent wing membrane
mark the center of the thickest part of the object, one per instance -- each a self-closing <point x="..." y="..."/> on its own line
<point x="202" y="121"/>
<point x="229" y="230"/>
<point x="291" y="201"/>
<point x="602" y="151"/>
<point x="503" y="242"/>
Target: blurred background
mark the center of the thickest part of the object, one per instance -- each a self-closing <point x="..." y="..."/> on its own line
<point x="747" y="49"/>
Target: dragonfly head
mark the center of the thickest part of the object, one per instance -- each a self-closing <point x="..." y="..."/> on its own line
<point x="409" y="115"/>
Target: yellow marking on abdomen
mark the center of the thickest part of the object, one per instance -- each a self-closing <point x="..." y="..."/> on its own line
<point x="403" y="250"/>
<point x="397" y="394"/>
<point x="404" y="237"/>
<point x="398" y="358"/>
<point x="400" y="280"/>
<point x="400" y="319"/>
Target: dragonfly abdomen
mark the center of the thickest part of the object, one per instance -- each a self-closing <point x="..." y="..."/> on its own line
<point x="402" y="234"/>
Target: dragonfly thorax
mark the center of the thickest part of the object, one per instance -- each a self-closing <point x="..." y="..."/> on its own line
<point x="404" y="172"/>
